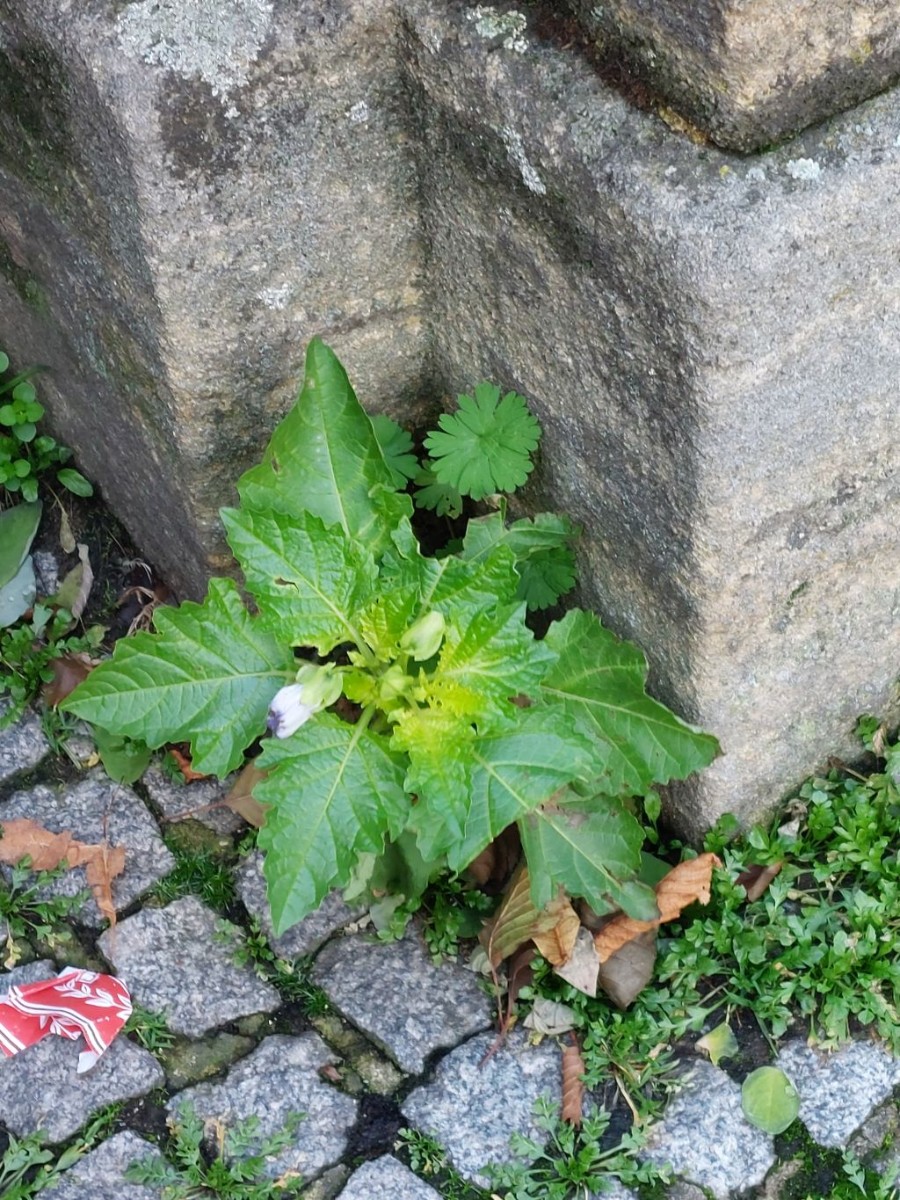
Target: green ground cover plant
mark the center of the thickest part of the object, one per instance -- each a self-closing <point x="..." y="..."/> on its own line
<point x="233" y="1167"/>
<point x="414" y="714"/>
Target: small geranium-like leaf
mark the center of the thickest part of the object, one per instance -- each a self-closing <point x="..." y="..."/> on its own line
<point x="486" y="445"/>
<point x="440" y="498"/>
<point x="397" y="448"/>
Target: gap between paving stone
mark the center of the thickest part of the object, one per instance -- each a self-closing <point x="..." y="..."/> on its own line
<point x="282" y="1076"/>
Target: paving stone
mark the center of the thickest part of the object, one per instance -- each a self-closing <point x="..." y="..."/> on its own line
<point x="94" y="809"/>
<point x="615" y="1191"/>
<point x="706" y="1138"/>
<point x="279" y="1078"/>
<point x="40" y="1087"/>
<point x="22" y="744"/>
<point x="307" y="935"/>
<point x="176" y="963"/>
<point x="173" y="799"/>
<point x="100" y="1175"/>
<point x="397" y="996"/>
<point x="384" y="1177"/>
<point x="862" y="1074"/>
<point x="473" y="1105"/>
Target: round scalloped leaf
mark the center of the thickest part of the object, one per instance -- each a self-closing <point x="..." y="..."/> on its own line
<point x="486" y="445"/>
<point x="769" y="1100"/>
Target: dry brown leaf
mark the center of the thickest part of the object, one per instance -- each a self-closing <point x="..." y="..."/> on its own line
<point x="684" y="884"/>
<point x="68" y="671"/>
<point x="557" y="943"/>
<point x="23" y="838"/>
<point x="497" y="861"/>
<point x="583" y="965"/>
<point x="241" y="800"/>
<point x="518" y="921"/>
<point x="627" y="972"/>
<point x="66" y="537"/>
<point x="101" y="868"/>
<point x="756" y="879"/>
<point x="184" y="766"/>
<point x="572" y="1083"/>
<point x="76" y="587"/>
<point x="46" y="851"/>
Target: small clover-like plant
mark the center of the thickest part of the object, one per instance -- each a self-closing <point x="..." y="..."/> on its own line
<point x="414" y="715"/>
<point x="24" y="454"/>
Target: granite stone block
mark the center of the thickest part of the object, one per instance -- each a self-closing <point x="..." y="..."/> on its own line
<point x="176" y="962"/>
<point x="100" y="1175"/>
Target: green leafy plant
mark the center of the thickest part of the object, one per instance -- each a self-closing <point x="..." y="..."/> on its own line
<point x="26" y="455"/>
<point x="29" y="912"/>
<point x="28" y="649"/>
<point x="572" y="1162"/>
<point x="292" y="977"/>
<point x="819" y="942"/>
<point x="28" y="1166"/>
<point x="407" y="694"/>
<point x="149" y="1029"/>
<point x="234" y="1168"/>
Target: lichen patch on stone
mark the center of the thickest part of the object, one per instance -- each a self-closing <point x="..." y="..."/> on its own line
<point x="198" y="38"/>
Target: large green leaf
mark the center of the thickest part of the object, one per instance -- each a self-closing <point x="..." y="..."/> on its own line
<point x="324" y="459"/>
<point x="334" y="791"/>
<point x="308" y="580"/>
<point x="483" y="666"/>
<point x="590" y="850"/>
<point x="207" y="676"/>
<point x="455" y="588"/>
<point x="18" y="525"/>
<point x="515" y="770"/>
<point x="541" y="546"/>
<point x="439" y="747"/>
<point x="599" y="680"/>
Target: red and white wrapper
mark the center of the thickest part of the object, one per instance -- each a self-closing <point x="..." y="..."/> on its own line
<point x="74" y="1004"/>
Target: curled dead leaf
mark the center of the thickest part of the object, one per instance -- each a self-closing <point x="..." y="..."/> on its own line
<point x="627" y="972"/>
<point x="68" y="671"/>
<point x="684" y="884"/>
<point x="241" y="800"/>
<point x="757" y="878"/>
<point x="572" y="1083"/>
<point x="184" y="765"/>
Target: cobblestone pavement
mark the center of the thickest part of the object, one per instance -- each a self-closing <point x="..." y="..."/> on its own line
<point x="400" y="1044"/>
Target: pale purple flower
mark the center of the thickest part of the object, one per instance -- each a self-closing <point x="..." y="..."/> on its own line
<point x="287" y="712"/>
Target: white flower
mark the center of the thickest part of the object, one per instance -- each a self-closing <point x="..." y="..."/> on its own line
<point x="287" y="712"/>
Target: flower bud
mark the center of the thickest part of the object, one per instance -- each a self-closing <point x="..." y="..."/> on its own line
<point x="424" y="637"/>
<point x="321" y="686"/>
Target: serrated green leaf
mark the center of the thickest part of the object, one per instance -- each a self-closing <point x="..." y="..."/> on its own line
<point x="769" y="1100"/>
<point x="397" y="448"/>
<point x="486" y="445"/>
<point x="207" y="676"/>
<point x="334" y="791"/>
<point x="515" y="770"/>
<point x="438" y="744"/>
<point x="307" y="580"/>
<point x="440" y="498"/>
<point x="591" y="851"/>
<point x="599" y="680"/>
<point x="324" y="459"/>
<point x="18" y="525"/>
<point x="483" y="666"/>
<point x="452" y="587"/>
<point x="541" y="545"/>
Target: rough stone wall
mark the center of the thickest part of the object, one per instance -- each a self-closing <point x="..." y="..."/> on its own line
<point x="751" y="72"/>
<point x="205" y="187"/>
<point x="711" y="342"/>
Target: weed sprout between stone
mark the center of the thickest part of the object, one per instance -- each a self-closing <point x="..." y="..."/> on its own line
<point x="418" y="715"/>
